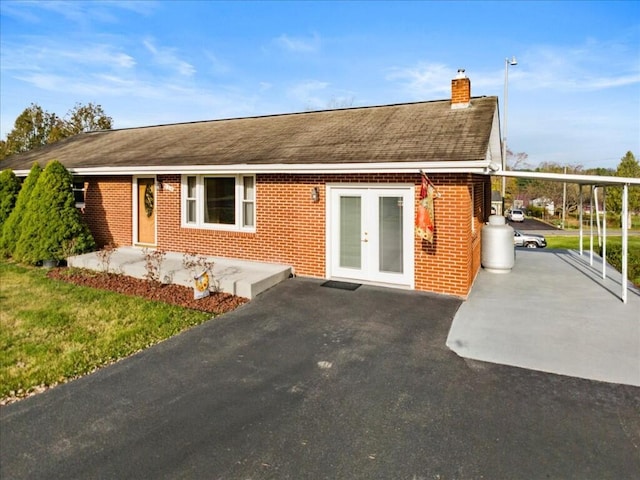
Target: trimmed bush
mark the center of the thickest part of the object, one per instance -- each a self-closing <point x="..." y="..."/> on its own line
<point x="52" y="227"/>
<point x="9" y="188"/>
<point x="13" y="225"/>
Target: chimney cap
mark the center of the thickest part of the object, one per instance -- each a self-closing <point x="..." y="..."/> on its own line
<point x="461" y="73"/>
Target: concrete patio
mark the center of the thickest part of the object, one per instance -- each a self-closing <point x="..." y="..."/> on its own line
<point x="238" y="277"/>
<point x="552" y="313"/>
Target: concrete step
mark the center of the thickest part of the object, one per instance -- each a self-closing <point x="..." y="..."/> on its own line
<point x="238" y="277"/>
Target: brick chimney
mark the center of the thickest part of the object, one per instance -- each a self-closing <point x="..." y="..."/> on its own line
<point x="460" y="91"/>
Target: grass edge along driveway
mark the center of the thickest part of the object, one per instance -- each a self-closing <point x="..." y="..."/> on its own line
<point x="52" y="331"/>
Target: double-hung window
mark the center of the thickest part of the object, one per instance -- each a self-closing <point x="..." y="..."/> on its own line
<point x="78" y="187"/>
<point x="225" y="202"/>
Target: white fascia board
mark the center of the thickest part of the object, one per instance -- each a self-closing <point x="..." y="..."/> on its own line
<point x="479" y="166"/>
<point x="571" y="178"/>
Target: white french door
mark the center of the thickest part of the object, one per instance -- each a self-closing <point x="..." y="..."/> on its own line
<point x="370" y="234"/>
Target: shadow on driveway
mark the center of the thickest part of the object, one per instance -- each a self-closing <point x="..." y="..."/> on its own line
<point x="313" y="382"/>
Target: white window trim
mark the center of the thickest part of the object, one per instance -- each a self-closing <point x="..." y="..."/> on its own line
<point x="83" y="190"/>
<point x="239" y="204"/>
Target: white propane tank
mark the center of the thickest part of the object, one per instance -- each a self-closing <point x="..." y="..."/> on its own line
<point x="498" y="250"/>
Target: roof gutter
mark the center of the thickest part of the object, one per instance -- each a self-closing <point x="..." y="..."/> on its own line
<point x="478" y="166"/>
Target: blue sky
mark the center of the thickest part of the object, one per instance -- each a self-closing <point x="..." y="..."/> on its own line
<point x="574" y="97"/>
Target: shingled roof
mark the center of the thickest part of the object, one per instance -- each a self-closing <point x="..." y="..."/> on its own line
<point x="412" y="132"/>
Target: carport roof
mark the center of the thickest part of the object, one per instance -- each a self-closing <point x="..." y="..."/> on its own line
<point x="571" y="178"/>
<point x="597" y="181"/>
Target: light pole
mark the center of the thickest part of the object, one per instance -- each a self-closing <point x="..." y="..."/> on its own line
<point x="507" y="62"/>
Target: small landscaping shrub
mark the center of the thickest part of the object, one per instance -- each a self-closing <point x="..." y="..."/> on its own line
<point x="52" y="226"/>
<point x="153" y="264"/>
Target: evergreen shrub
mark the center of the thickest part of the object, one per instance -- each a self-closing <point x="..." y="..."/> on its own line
<point x="52" y="227"/>
<point x="13" y="225"/>
<point x="9" y="188"/>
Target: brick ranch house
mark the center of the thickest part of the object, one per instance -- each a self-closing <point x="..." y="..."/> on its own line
<point x="332" y="193"/>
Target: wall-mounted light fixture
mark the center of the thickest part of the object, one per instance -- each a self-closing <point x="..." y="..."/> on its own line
<point x="315" y="195"/>
<point x="165" y="186"/>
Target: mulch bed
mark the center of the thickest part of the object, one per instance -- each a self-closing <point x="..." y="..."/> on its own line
<point x="217" y="302"/>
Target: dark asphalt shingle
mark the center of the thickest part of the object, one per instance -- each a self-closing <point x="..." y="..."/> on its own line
<point x="412" y="132"/>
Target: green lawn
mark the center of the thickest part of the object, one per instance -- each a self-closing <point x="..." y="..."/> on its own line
<point x="574" y="242"/>
<point x="613" y="251"/>
<point x="52" y="331"/>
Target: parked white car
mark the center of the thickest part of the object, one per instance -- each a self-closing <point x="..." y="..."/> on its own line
<point x="516" y="215"/>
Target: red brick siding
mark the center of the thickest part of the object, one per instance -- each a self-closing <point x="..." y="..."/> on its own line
<point x="291" y="229"/>
<point x="108" y="209"/>
<point x="460" y="90"/>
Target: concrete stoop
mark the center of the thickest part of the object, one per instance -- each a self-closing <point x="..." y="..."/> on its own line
<point x="238" y="277"/>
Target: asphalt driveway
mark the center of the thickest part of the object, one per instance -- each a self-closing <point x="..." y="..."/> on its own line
<point x="307" y="382"/>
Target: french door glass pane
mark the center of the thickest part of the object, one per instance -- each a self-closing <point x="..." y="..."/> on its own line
<point x="390" y="250"/>
<point x="350" y="234"/>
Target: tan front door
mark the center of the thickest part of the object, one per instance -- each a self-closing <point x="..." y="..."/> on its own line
<point x="146" y="211"/>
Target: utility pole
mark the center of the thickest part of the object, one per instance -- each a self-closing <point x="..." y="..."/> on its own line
<point x="507" y="63"/>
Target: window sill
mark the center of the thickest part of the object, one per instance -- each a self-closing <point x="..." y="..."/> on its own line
<point x="218" y="228"/>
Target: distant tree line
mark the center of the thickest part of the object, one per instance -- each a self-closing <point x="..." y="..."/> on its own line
<point x="35" y="127"/>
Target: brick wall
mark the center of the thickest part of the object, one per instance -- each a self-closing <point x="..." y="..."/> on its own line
<point x="108" y="209"/>
<point x="290" y="228"/>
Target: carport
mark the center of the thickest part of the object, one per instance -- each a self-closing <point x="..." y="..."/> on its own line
<point x="597" y="183"/>
<point x="557" y="311"/>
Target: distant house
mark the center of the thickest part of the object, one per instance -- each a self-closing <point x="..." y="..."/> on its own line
<point x="544" y="202"/>
<point x="333" y="193"/>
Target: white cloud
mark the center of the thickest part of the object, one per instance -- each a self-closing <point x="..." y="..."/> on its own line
<point x="54" y="57"/>
<point x="167" y="58"/>
<point x="591" y="66"/>
<point x="217" y="66"/>
<point x="298" y="44"/>
<point x="45" y="81"/>
<point x="306" y="93"/>
<point x="79" y="13"/>
<point x="424" y="80"/>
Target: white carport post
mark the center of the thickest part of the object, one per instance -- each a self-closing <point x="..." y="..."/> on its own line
<point x="625" y="238"/>
<point x="593" y="192"/>
<point x="580" y="212"/>
<point x="604" y="232"/>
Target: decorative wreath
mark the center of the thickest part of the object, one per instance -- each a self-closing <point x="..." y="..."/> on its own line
<point x="148" y="200"/>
